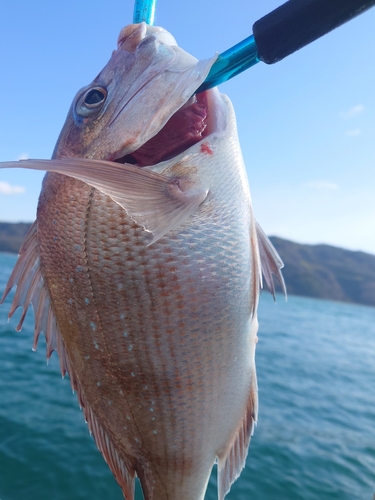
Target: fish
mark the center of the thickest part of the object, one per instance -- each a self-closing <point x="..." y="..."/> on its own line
<point x="144" y="269"/>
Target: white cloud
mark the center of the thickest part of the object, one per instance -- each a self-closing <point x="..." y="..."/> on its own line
<point x="23" y="156"/>
<point x="353" y="133"/>
<point x="353" y="111"/>
<point x="6" y="188"/>
<point x="321" y="185"/>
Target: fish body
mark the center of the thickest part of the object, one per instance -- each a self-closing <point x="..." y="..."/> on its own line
<point x="146" y="279"/>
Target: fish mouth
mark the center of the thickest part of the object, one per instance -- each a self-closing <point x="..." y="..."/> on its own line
<point x="188" y="126"/>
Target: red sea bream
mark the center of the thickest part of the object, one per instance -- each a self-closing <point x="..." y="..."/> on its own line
<point x="144" y="269"/>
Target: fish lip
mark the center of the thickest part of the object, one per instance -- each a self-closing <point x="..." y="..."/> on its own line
<point x="217" y="113"/>
<point x="215" y="123"/>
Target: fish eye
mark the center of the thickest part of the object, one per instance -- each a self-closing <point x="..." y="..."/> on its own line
<point x="91" y="102"/>
<point x="94" y="97"/>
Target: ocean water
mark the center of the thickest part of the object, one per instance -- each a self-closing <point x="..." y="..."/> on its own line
<point x="315" y="438"/>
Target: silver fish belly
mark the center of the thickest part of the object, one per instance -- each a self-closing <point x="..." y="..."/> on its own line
<point x="146" y="281"/>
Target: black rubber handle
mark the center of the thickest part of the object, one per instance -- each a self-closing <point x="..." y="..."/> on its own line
<point x="296" y="23"/>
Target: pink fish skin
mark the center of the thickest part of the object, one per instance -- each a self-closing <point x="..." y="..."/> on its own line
<point x="145" y="277"/>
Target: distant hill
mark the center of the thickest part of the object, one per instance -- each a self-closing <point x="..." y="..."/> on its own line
<point x="11" y="235"/>
<point x="320" y="271"/>
<point x="327" y="272"/>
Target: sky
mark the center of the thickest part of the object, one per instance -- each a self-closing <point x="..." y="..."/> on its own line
<point x="306" y="124"/>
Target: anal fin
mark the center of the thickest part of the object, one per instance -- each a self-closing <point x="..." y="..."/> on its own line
<point x="233" y="459"/>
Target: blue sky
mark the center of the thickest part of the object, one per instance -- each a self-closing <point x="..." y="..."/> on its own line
<point x="306" y="124"/>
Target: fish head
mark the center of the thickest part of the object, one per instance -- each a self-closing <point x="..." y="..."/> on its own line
<point x="146" y="81"/>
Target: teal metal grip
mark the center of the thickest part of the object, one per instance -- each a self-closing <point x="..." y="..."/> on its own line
<point x="232" y="62"/>
<point x="144" y="11"/>
<point x="281" y="32"/>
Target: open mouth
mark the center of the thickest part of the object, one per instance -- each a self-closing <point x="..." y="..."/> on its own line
<point x="185" y="128"/>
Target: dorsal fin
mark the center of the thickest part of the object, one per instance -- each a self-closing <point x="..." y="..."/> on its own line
<point x="121" y="469"/>
<point x="270" y="261"/>
<point x="28" y="278"/>
<point x="233" y="459"/>
<point x="31" y="289"/>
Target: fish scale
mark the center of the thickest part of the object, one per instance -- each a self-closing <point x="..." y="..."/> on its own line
<point x="185" y="374"/>
<point x="149" y="278"/>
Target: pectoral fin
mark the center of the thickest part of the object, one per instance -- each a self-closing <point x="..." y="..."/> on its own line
<point x="157" y="202"/>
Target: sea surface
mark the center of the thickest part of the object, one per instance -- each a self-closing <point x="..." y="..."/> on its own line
<point x="315" y="439"/>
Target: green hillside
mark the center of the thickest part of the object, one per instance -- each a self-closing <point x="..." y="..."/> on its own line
<point x="11" y="235"/>
<point x="327" y="272"/>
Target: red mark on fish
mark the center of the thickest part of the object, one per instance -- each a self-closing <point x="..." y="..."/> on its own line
<point x="205" y="148"/>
